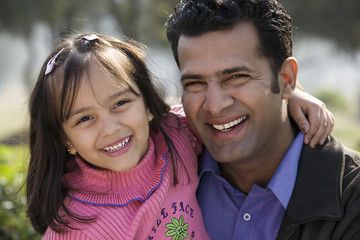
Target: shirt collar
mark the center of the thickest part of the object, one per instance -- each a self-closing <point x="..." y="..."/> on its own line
<point x="207" y="164"/>
<point x="283" y="181"/>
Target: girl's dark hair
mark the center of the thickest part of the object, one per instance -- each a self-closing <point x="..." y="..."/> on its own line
<point x="273" y="24"/>
<point x="50" y="104"/>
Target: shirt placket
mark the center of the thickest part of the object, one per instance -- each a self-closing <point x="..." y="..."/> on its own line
<point x="245" y="221"/>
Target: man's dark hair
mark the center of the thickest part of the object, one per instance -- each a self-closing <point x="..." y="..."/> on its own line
<point x="273" y="24"/>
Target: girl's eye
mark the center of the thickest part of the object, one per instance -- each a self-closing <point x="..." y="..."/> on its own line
<point x="84" y="119"/>
<point x="120" y="103"/>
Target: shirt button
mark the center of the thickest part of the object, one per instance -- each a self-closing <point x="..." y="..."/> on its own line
<point x="247" y="216"/>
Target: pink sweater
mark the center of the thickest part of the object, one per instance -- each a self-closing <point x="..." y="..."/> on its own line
<point x="141" y="203"/>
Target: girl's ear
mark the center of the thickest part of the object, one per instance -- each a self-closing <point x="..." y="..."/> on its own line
<point x="71" y="150"/>
<point x="287" y="77"/>
<point x="149" y="115"/>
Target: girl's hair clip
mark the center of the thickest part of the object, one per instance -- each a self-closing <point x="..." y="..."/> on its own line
<point x="90" y="37"/>
<point x="50" y="64"/>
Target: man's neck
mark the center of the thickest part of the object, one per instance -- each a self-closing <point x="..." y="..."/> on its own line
<point x="261" y="168"/>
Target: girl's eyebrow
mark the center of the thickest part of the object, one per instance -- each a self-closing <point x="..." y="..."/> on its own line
<point x="77" y="111"/>
<point x="118" y="94"/>
<point x="113" y="96"/>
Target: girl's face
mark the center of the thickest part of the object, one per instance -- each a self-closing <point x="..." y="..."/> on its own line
<point x="108" y="125"/>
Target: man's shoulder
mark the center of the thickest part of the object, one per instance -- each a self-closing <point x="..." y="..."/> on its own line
<point x="350" y="157"/>
<point x="351" y="175"/>
<point x="334" y="153"/>
<point x="327" y="190"/>
<point x="333" y="147"/>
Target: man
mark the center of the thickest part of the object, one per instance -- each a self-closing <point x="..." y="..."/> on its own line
<point x="257" y="179"/>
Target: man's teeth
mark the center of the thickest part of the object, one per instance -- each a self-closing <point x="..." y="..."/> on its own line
<point x="227" y="126"/>
<point x="117" y="146"/>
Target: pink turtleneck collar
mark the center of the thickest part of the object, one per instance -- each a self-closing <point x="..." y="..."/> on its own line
<point x="109" y="188"/>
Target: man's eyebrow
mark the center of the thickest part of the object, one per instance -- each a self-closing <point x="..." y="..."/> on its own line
<point x="223" y="72"/>
<point x="235" y="69"/>
<point x="190" y="76"/>
<point x="113" y="96"/>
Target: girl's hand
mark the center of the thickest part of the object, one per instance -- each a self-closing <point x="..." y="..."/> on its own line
<point x="312" y="117"/>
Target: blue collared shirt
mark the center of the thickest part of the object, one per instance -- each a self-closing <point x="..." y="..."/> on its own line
<point x="230" y="214"/>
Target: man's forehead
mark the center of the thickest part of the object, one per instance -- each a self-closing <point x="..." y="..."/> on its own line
<point x="242" y="38"/>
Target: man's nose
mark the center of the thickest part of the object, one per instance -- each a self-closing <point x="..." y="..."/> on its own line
<point x="217" y="99"/>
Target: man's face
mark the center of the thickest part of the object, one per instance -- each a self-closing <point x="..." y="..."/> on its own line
<point x="227" y="94"/>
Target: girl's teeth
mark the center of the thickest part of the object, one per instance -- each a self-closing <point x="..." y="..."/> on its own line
<point x="118" y="146"/>
<point x="227" y="126"/>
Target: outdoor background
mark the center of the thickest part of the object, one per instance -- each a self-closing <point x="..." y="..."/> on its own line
<point x="327" y="46"/>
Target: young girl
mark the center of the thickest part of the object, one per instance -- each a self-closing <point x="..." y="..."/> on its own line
<point x="108" y="159"/>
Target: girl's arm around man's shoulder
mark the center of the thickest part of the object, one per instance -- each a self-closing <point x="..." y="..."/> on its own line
<point x="178" y="110"/>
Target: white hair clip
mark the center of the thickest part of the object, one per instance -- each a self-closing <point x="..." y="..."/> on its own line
<point x="90" y="37"/>
<point x="50" y="64"/>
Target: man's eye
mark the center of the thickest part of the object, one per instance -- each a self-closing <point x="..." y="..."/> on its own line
<point x="84" y="119"/>
<point x="193" y="86"/>
<point x="191" y="83"/>
<point x="238" y="79"/>
<point x="239" y="76"/>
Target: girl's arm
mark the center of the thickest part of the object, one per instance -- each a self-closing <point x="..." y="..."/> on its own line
<point x="178" y="110"/>
<point x="312" y="117"/>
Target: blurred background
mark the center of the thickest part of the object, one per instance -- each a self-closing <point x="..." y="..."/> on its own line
<point x="327" y="47"/>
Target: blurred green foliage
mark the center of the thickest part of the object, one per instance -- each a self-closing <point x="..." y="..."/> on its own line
<point x="333" y="19"/>
<point x="13" y="222"/>
<point x="333" y="100"/>
<point x="142" y="20"/>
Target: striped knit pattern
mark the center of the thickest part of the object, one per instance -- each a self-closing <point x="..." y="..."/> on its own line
<point x="141" y="203"/>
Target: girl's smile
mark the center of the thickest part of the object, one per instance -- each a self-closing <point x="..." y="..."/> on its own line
<point x="122" y="143"/>
<point x="118" y="149"/>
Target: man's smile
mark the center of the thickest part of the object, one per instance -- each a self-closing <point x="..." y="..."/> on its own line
<point x="227" y="126"/>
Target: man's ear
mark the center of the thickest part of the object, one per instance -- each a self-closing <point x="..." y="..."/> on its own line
<point x="287" y="77"/>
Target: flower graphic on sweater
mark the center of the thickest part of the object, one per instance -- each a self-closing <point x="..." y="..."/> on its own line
<point x="177" y="229"/>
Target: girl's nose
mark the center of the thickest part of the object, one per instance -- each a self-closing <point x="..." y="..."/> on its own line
<point x="110" y="125"/>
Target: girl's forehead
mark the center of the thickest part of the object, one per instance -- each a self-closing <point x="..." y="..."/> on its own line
<point x="98" y="89"/>
<point x="98" y="77"/>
